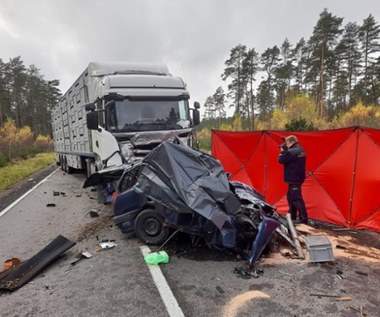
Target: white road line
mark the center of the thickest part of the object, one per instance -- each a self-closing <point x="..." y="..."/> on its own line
<point x="4" y="211"/>
<point x="166" y="293"/>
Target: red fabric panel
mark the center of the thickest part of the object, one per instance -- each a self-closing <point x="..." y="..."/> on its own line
<point x="235" y="148"/>
<point x="343" y="171"/>
<point x="256" y="168"/>
<point x="336" y="175"/>
<point x="365" y="196"/>
<point x="371" y="222"/>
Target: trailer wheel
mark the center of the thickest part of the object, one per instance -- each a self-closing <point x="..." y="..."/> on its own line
<point x="149" y="227"/>
<point x="66" y="167"/>
<point x="61" y="162"/>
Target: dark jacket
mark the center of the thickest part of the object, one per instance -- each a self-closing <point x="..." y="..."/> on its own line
<point x="294" y="161"/>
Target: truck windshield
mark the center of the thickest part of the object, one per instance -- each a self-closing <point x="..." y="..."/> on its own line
<point x="147" y="115"/>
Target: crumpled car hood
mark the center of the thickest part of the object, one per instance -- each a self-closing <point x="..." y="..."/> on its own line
<point x="186" y="180"/>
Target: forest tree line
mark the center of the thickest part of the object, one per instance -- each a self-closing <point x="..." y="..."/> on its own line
<point x="26" y="97"/>
<point x="320" y="80"/>
<point x="25" y="102"/>
<point x="329" y="80"/>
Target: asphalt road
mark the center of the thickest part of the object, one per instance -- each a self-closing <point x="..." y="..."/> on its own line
<point x="117" y="282"/>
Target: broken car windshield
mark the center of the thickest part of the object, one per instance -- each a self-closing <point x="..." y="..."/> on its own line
<point x="147" y="115"/>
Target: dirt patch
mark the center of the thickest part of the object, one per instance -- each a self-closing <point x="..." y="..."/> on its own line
<point x="355" y="244"/>
<point x="94" y="228"/>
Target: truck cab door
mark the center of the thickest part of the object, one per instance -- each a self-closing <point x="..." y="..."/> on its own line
<point x="103" y="143"/>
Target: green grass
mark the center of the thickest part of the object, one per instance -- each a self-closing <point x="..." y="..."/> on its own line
<point x="20" y="170"/>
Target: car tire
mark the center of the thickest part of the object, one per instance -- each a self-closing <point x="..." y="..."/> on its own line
<point x="150" y="228"/>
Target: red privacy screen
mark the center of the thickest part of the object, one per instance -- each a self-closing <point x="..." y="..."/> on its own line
<point x="342" y="183"/>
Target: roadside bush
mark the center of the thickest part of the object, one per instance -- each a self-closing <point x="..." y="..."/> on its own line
<point x="204" y="139"/>
<point x="20" y="143"/>
<point x="3" y="160"/>
<point x="43" y="142"/>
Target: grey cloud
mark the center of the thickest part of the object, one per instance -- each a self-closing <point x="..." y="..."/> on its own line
<point x="193" y="37"/>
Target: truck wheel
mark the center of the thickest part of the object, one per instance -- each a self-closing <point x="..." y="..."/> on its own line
<point x="63" y="168"/>
<point x="67" y="168"/>
<point x="149" y="227"/>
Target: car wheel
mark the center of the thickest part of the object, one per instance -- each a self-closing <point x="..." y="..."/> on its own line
<point x="150" y="228"/>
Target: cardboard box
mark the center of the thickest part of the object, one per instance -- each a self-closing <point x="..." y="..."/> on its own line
<point x="319" y="248"/>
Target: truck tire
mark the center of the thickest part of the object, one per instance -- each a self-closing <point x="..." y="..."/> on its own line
<point x="61" y="162"/>
<point x="66" y="167"/>
<point x="149" y="227"/>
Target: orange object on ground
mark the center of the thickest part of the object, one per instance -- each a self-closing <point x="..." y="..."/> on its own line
<point x="11" y="262"/>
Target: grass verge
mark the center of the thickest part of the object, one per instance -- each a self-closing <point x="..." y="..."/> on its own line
<point x="18" y="171"/>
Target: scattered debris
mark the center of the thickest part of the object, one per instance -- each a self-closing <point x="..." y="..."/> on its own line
<point x="294" y="236"/>
<point x="9" y="263"/>
<point x="248" y="272"/>
<point x="94" y="214"/>
<point x="360" y="311"/>
<point x="339" y="274"/>
<point x="361" y="273"/>
<point x="344" y="299"/>
<point x="50" y="205"/>
<point x="107" y="244"/>
<point x="81" y="256"/>
<point x="94" y="227"/>
<point x="335" y="297"/>
<point x="219" y="289"/>
<point x="55" y="193"/>
<point x="21" y="274"/>
<point x="155" y="258"/>
<point x="345" y="229"/>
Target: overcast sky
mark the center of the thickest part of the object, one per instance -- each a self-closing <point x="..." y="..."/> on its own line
<point x="193" y="37"/>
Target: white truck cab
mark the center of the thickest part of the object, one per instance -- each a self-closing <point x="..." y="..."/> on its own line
<point x="116" y="113"/>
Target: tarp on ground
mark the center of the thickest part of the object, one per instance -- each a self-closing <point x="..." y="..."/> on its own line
<point x="342" y="178"/>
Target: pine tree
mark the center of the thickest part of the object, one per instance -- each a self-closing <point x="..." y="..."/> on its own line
<point x="250" y="69"/>
<point x="323" y="42"/>
<point x="369" y="36"/>
<point x="234" y="72"/>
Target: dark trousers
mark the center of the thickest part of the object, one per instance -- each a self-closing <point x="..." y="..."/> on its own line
<point x="296" y="203"/>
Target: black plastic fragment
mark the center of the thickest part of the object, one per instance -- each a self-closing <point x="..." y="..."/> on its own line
<point x="21" y="274"/>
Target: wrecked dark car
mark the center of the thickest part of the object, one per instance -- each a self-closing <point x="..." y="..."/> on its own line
<point x="178" y="188"/>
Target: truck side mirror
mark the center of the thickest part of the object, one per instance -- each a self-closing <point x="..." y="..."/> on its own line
<point x="89" y="106"/>
<point x="196" y="117"/>
<point x="92" y="120"/>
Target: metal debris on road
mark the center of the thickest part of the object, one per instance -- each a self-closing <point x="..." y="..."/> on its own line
<point x="94" y="214"/>
<point x="81" y="256"/>
<point x="107" y="244"/>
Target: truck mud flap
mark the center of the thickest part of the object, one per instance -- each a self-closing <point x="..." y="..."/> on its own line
<point x="19" y="275"/>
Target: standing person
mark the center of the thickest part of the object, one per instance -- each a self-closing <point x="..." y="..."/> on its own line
<point x="293" y="157"/>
